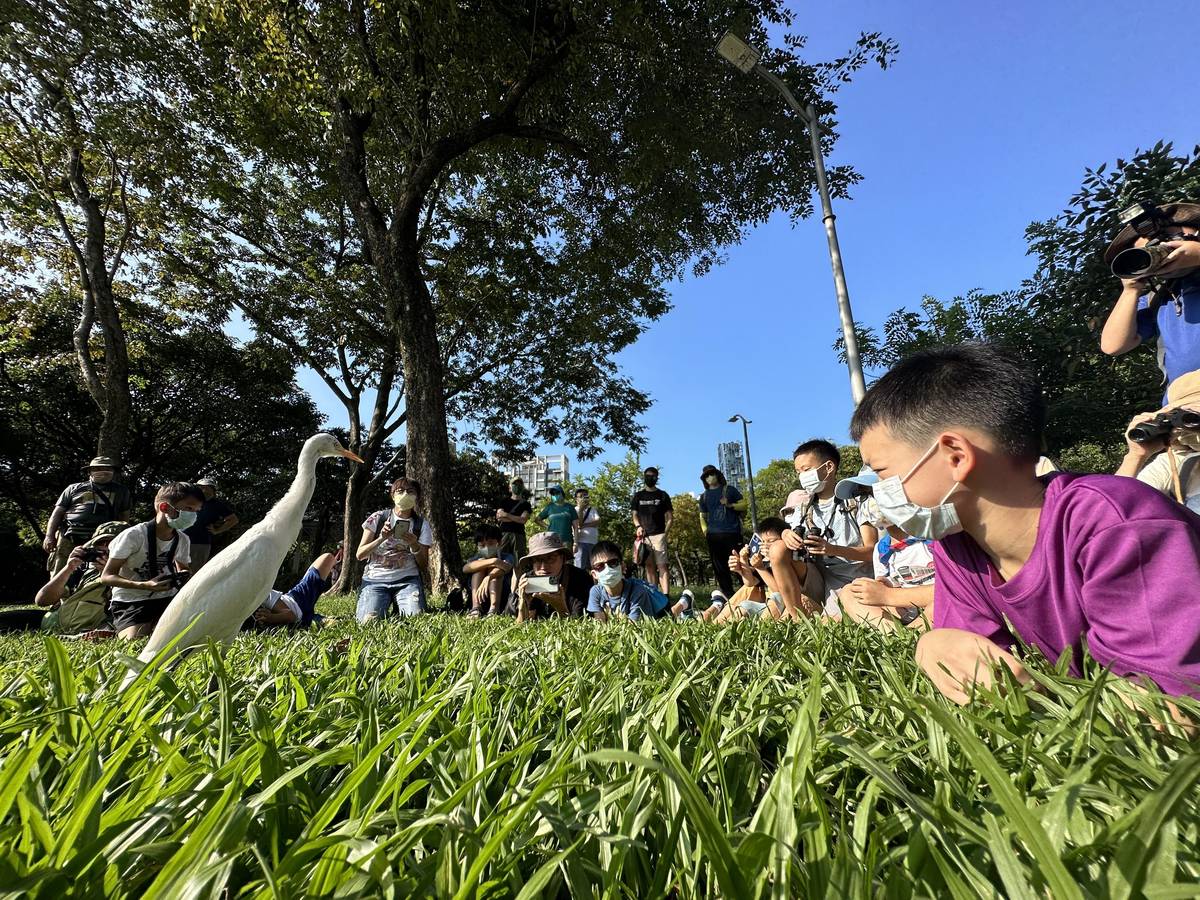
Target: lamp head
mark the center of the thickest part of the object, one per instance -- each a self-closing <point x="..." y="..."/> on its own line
<point x="737" y="52"/>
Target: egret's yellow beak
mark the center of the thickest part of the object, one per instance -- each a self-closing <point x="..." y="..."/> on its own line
<point x="349" y="455"/>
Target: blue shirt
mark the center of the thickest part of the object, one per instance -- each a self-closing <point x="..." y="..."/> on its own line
<point x="1178" y="334"/>
<point x="636" y="599"/>
<point x="722" y="519"/>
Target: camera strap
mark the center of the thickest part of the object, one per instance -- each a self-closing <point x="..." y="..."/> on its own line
<point x="151" y="567"/>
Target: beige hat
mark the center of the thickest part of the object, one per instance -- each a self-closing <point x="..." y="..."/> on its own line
<point x="795" y="499"/>
<point x="543" y="544"/>
<point x="106" y="532"/>
<point x="1176" y="213"/>
<point x="102" y="462"/>
<point x="1183" y="391"/>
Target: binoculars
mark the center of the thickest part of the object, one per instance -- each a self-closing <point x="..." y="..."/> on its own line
<point x="1163" y="424"/>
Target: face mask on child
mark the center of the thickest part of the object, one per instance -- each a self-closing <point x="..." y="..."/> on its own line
<point x="404" y="500"/>
<point x="712" y="481"/>
<point x="812" y="481"/>
<point x="610" y="576"/>
<point x="489" y="552"/>
<point x="185" y="519"/>
<point x="932" y="523"/>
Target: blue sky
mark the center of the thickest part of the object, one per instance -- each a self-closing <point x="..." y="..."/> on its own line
<point x="984" y="124"/>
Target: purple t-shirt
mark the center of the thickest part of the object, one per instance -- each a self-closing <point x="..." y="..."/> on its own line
<point x="1115" y="562"/>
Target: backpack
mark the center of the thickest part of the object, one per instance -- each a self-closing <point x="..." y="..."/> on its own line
<point x="84" y="609"/>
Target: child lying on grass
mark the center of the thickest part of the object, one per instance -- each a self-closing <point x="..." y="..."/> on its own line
<point x="1066" y="559"/>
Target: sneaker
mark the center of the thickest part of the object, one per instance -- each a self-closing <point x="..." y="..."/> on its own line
<point x="474" y="614"/>
<point x="719" y="598"/>
<point x="688" y="599"/>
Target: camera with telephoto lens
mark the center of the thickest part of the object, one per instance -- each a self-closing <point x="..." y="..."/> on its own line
<point x="1152" y="223"/>
<point x="1161" y="426"/>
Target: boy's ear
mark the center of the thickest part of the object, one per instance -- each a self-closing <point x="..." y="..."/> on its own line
<point x="959" y="453"/>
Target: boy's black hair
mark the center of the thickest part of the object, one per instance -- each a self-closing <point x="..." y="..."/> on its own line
<point x="772" y="525"/>
<point x="174" y="491"/>
<point x="487" y="532"/>
<point x="822" y="448"/>
<point x="974" y="384"/>
<point x="649" y="469"/>
<point x="608" y="547"/>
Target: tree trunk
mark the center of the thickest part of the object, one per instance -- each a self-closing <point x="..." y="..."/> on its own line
<point x="428" y="434"/>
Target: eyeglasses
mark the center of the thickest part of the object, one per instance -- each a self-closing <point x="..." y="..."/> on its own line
<point x="606" y="564"/>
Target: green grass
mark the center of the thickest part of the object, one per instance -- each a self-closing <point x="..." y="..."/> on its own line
<point x="449" y="758"/>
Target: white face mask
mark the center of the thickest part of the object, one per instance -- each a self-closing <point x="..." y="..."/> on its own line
<point x="489" y="552"/>
<point x="712" y="481"/>
<point x="185" y="519"/>
<point x="932" y="523"/>
<point x="812" y="481"/>
<point x="610" y="576"/>
<point x="404" y="500"/>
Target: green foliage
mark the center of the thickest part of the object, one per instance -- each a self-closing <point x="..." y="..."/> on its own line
<point x="688" y="543"/>
<point x="772" y="484"/>
<point x="441" y="757"/>
<point x="1054" y="319"/>
<point x="1089" y="458"/>
<point x="610" y="492"/>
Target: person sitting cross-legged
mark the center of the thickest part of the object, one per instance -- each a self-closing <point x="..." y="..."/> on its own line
<point x="488" y="570"/>
<point x="759" y="594"/>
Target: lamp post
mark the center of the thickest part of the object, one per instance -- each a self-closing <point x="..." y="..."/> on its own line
<point x="745" y="59"/>
<point x="749" y="471"/>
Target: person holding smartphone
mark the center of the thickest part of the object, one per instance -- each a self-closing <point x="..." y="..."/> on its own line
<point x="395" y="543"/>
<point x="546" y="583"/>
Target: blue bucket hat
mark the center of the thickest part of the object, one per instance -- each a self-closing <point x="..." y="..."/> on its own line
<point x="856" y="485"/>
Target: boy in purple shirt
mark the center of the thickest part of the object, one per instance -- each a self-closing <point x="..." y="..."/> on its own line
<point x="953" y="434"/>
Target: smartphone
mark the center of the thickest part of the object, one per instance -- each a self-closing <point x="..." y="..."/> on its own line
<point x="541" y="584"/>
<point x="401" y="526"/>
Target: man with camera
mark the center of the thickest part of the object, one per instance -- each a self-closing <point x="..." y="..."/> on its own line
<point x="1164" y="447"/>
<point x="148" y="562"/>
<point x="81" y="508"/>
<point x="1156" y="255"/>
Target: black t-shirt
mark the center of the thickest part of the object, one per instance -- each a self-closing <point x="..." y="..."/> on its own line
<point x="651" y="507"/>
<point x="90" y="505"/>
<point x="514" y="508"/>
<point x="579" y="585"/>
<point x="211" y="512"/>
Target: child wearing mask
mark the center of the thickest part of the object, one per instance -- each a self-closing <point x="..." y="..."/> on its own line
<point x="901" y="593"/>
<point x="488" y="570"/>
<point x="145" y="559"/>
<point x="395" y="543"/>
<point x="1055" y="561"/>
<point x="629" y="598"/>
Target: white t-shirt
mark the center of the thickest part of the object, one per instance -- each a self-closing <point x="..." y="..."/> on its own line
<point x="907" y="567"/>
<point x="392" y="561"/>
<point x="841" y="527"/>
<point x="130" y="545"/>
<point x="1157" y="474"/>
<point x="589" y="528"/>
<point x="275" y="596"/>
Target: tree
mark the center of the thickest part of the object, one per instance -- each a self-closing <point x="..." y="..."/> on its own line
<point x="772" y="484"/>
<point x="201" y="404"/>
<point x="605" y="130"/>
<point x="688" y="544"/>
<point x="1054" y="318"/>
<point x="89" y="93"/>
<point x="610" y="492"/>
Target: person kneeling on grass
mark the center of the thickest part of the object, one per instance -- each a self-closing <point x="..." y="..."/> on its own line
<point x="1065" y="559"/>
<point x="149" y="562"/>
<point x="546" y="583"/>
<point x="297" y="607"/>
<point x="488" y="570"/>
<point x="631" y="598"/>
<point x="901" y="593"/>
<point x="759" y="592"/>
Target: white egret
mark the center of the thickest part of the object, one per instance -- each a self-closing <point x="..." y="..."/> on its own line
<point x="227" y="590"/>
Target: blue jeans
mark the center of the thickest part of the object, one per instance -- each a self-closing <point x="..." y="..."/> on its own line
<point x="583" y="556"/>
<point x="376" y="598"/>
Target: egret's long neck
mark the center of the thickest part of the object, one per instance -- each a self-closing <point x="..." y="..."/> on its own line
<point x="291" y="506"/>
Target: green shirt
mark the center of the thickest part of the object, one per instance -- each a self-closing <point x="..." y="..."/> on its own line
<point x="558" y="518"/>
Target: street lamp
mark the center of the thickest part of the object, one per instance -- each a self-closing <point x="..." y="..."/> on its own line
<point x="749" y="470"/>
<point x="746" y="59"/>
